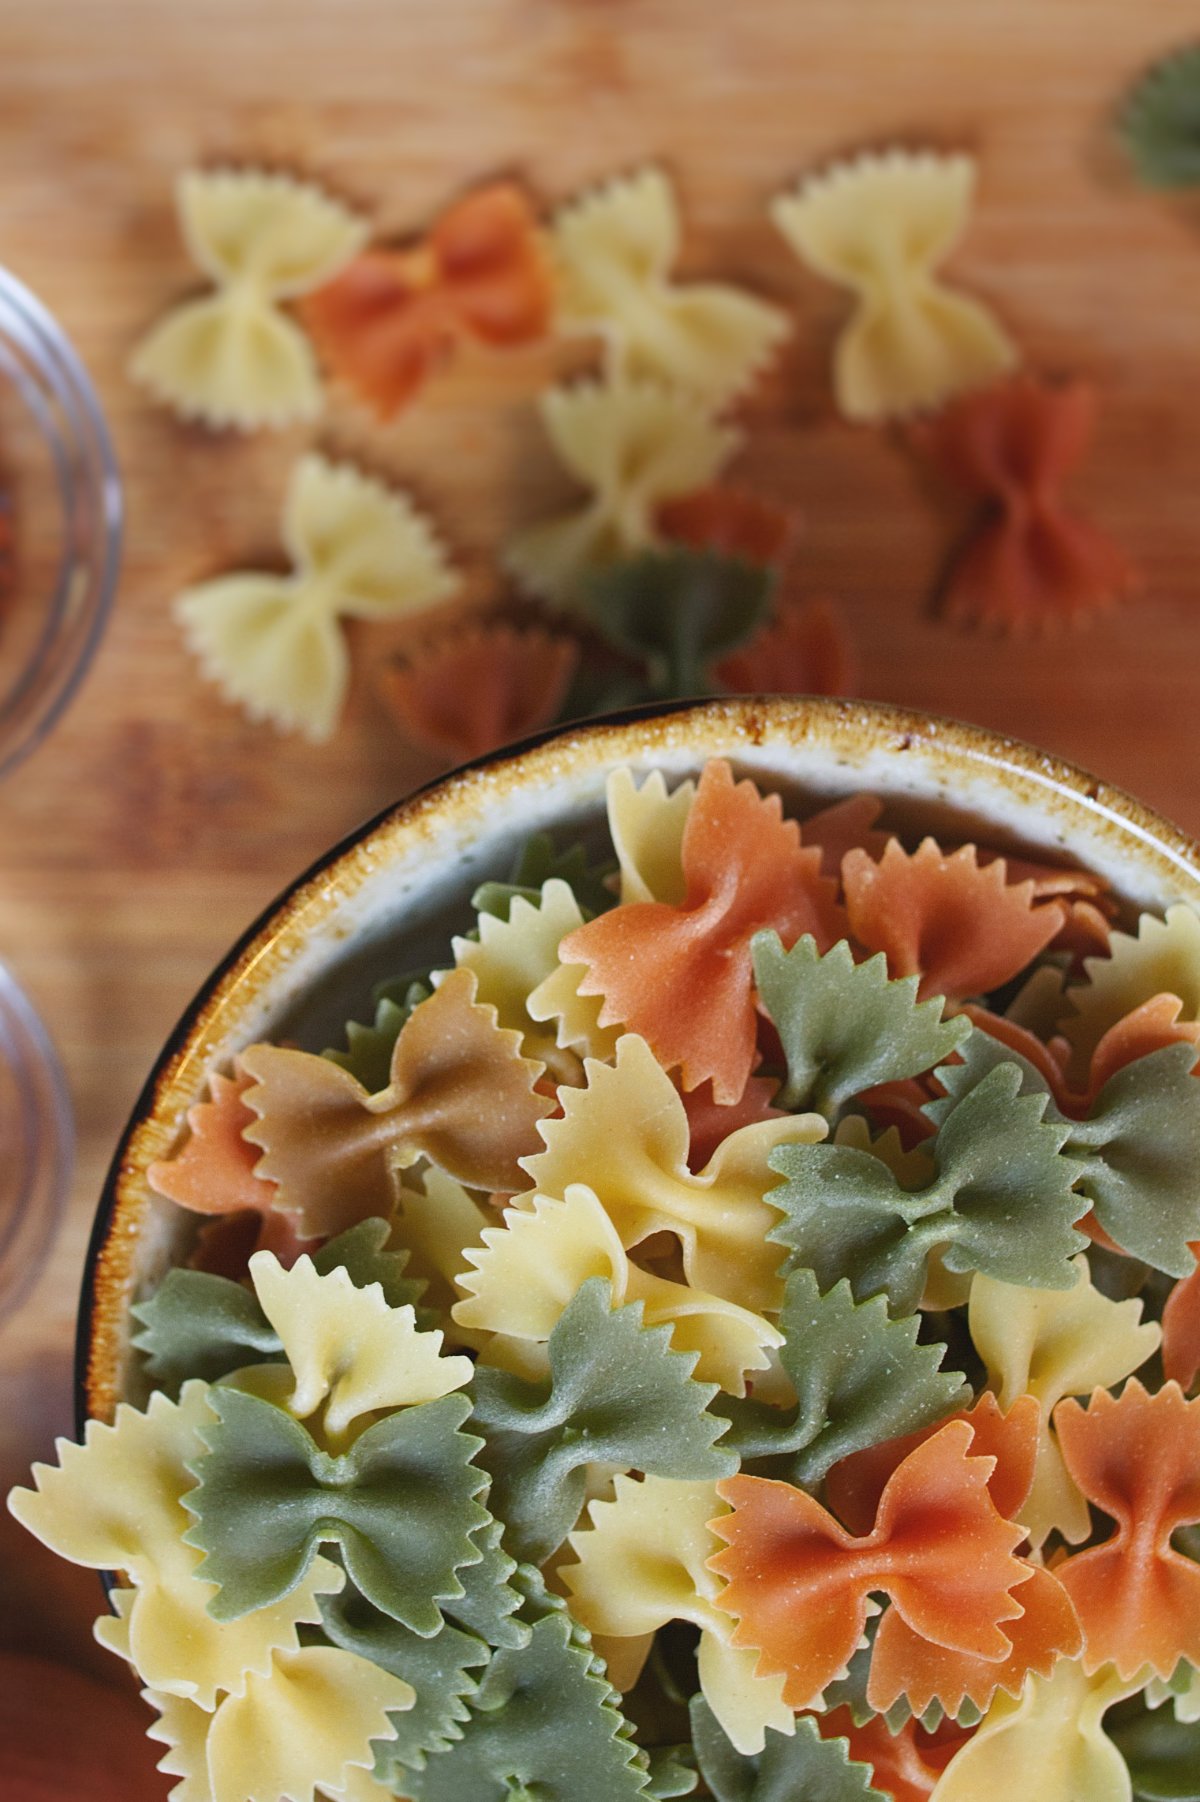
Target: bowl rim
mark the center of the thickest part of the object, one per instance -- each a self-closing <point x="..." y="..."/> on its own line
<point x="751" y="720"/>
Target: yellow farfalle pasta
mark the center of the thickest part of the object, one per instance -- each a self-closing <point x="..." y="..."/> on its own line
<point x="647" y="825"/>
<point x="517" y="971"/>
<point x="233" y="358"/>
<point x="634" y="445"/>
<point x="350" y="1353"/>
<point x="435" y="1223"/>
<point x="626" y="1136"/>
<point x="643" y="1561"/>
<point x="301" y="1730"/>
<point x="614" y="251"/>
<point x="1052" y="1343"/>
<point x="528" y="1270"/>
<point x="1161" y="958"/>
<point x="881" y="225"/>
<point x="114" y="1503"/>
<point x="273" y="644"/>
<point x="1048" y="1745"/>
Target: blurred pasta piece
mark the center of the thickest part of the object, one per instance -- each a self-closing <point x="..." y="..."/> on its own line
<point x="273" y="643"/>
<point x="393" y="316"/>
<point x="614" y="250"/>
<point x="635" y="445"/>
<point x="731" y="521"/>
<point x="1160" y="122"/>
<point x="805" y="649"/>
<point x="1031" y="560"/>
<point x="882" y="225"/>
<point x="478" y="687"/>
<point x="233" y="358"/>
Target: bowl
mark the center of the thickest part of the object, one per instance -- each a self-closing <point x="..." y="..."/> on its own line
<point x="387" y="898"/>
<point x="37" y="1140"/>
<point x="60" y="500"/>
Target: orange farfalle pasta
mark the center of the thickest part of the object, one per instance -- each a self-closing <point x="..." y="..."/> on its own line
<point x="745" y="869"/>
<point x="1181" y="1329"/>
<point x="710" y="1123"/>
<point x="905" y="1765"/>
<point x="732" y="522"/>
<point x="393" y="316"/>
<point x="904" y="1663"/>
<point x="962" y="928"/>
<point x="1138" y="1458"/>
<point x="847" y="825"/>
<point x="213" y="1172"/>
<point x="460" y="1094"/>
<point x="803" y="650"/>
<point x="1032" y="559"/>
<point x="800" y="1584"/>
<point x="481" y="686"/>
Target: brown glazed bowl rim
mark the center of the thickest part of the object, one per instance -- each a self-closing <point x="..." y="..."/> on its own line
<point x="1048" y="788"/>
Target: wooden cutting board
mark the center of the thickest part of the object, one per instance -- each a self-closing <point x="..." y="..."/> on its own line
<point x="146" y="834"/>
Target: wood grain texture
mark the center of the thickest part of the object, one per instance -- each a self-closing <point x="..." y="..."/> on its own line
<point x="142" y="839"/>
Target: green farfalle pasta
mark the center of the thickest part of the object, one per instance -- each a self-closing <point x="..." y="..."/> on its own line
<point x="401" y="1504"/>
<point x="1162" y="1751"/>
<point x="545" y="1723"/>
<point x="368" y="1053"/>
<point x="1136" y="1154"/>
<point x="1001" y="1201"/>
<point x="616" y="1394"/>
<point x="441" y="1668"/>
<point x="845" y="1027"/>
<point x="539" y="862"/>
<point x="801" y="1767"/>
<point x="1160" y="122"/>
<point x="198" y="1324"/>
<point x="860" y="1377"/>
<point x="679" y="611"/>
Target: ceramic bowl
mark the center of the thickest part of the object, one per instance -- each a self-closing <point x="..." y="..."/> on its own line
<point x="387" y="899"/>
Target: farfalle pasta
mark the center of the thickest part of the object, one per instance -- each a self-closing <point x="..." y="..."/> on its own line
<point x="273" y="644"/>
<point x="882" y="226"/>
<point x="234" y="357"/>
<point x="726" y="1327"/>
<point x="613" y="252"/>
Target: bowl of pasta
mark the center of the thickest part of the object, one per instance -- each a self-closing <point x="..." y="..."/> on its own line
<point x="721" y="1319"/>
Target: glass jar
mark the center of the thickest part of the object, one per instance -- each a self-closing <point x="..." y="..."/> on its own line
<point x="60" y="487"/>
<point x="36" y="1142"/>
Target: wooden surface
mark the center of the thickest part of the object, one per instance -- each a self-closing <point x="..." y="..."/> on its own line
<point x="141" y="840"/>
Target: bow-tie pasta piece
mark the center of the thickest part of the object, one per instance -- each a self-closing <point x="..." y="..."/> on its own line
<point x="1161" y="958"/>
<point x="1181" y="1329"/>
<point x="473" y="689"/>
<point x="681" y="975"/>
<point x="395" y="316"/>
<point x="213" y="1170"/>
<point x="882" y="226"/>
<point x="732" y="522"/>
<point x="115" y="1503"/>
<point x="1159" y="122"/>
<point x="626" y="1137"/>
<point x="647" y="822"/>
<point x="634" y="445"/>
<point x="461" y="1094"/>
<point x="1138" y="1458"/>
<point x="273" y="644"/>
<point x="905" y="1764"/>
<point x="1049" y="1344"/>
<point x="233" y="357"/>
<point x="958" y="925"/>
<point x="810" y="1761"/>
<point x="643" y="1561"/>
<point x="614" y="251"/>
<point x="804" y="650"/>
<point x="799" y="1584"/>
<point x="515" y="963"/>
<point x="527" y="1271"/>
<point x="1031" y="560"/>
<point x="307" y="1729"/>
<point x="350" y="1353"/>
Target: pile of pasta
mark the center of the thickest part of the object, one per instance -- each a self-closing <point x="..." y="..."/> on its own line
<point x="731" y="1331"/>
<point x="663" y="580"/>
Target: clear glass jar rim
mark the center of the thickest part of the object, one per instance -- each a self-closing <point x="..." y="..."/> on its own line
<point x="38" y="1157"/>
